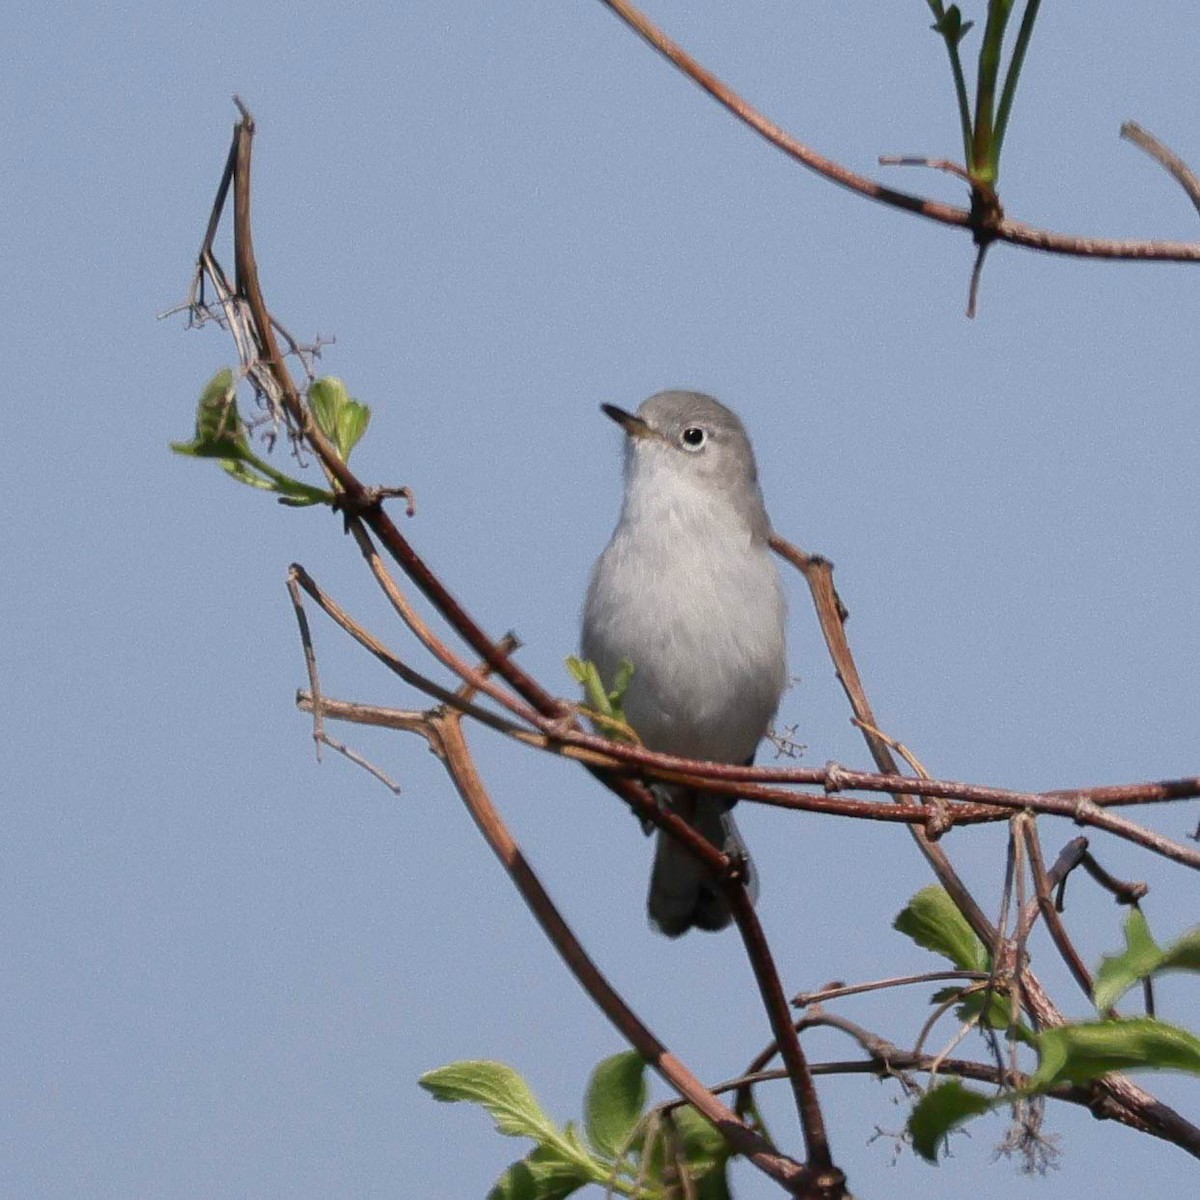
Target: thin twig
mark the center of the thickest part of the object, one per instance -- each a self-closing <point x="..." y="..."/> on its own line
<point x="943" y="1007"/>
<point x="360" y="761"/>
<point x="919" y="160"/>
<point x="394" y="663"/>
<point x="1131" y="131"/>
<point x="1125" y="892"/>
<point x="812" y="1123"/>
<point x="876" y="1046"/>
<point x="837" y="991"/>
<point x="818" y="574"/>
<point x="1050" y="912"/>
<point x="310" y="662"/>
<point x="316" y="706"/>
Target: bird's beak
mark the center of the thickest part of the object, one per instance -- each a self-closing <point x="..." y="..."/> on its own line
<point x="633" y="425"/>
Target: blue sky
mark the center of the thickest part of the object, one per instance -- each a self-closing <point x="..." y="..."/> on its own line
<point x="224" y="965"/>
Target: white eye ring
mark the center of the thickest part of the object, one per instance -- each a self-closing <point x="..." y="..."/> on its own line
<point x="693" y="438"/>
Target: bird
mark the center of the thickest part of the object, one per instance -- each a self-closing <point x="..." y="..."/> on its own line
<point x="687" y="591"/>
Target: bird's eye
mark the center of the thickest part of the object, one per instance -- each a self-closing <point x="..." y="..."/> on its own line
<point x="694" y="438"/>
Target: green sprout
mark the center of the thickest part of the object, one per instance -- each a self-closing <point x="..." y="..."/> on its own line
<point x="221" y="434"/>
<point x="603" y="705"/>
<point x="983" y="134"/>
<point x="341" y="418"/>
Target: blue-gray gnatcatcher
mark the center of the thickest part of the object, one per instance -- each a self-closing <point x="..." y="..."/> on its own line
<point x="687" y="591"/>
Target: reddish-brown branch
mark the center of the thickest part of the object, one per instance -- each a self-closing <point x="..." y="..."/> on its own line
<point x="1054" y="923"/>
<point x="831" y="613"/>
<point x="449" y="742"/>
<point x="357" y="498"/>
<point x="993" y="227"/>
<point x="612" y="759"/>
<point x="816" y="1141"/>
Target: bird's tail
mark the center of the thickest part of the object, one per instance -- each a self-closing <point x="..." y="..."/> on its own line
<point x="683" y="893"/>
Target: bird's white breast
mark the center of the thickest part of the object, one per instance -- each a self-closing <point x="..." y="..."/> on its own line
<point x="692" y="598"/>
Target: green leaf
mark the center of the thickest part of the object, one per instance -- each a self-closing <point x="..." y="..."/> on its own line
<point x="540" y="1175"/>
<point x="244" y="473"/>
<point x="326" y="398"/>
<point x="1082" y="1052"/>
<point x="703" y="1146"/>
<point x="595" y="693"/>
<point x="500" y="1090"/>
<point x="1184" y="954"/>
<point x="714" y="1184"/>
<point x="601" y="699"/>
<point x="940" y="1110"/>
<point x="932" y="921"/>
<point x="951" y="25"/>
<point x="341" y="418"/>
<point x="351" y="425"/>
<point x="220" y="434"/>
<point x="1142" y="957"/>
<point x="615" y="1098"/>
<point x="219" y="430"/>
<point x="620" y="684"/>
<point x="586" y="674"/>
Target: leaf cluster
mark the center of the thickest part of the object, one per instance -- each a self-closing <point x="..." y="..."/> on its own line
<point x="623" y="1147"/>
<point x="1075" y="1053"/>
<point x="221" y="434"/>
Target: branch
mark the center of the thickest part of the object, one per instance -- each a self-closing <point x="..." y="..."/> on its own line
<point x="786" y="1036"/>
<point x="986" y="222"/>
<point x="832" y="613"/>
<point x="447" y="740"/>
<point x="1167" y="158"/>
<point x="1116" y="1095"/>
<point x="835" y="991"/>
<point x="1054" y="923"/>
